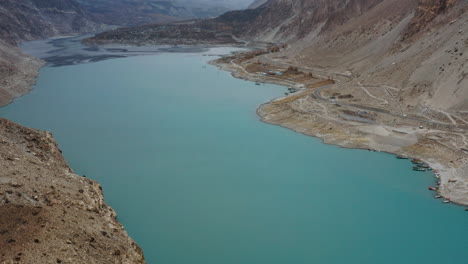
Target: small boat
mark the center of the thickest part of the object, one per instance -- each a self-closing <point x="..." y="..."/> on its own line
<point x="418" y="169"/>
<point x="438" y="196"/>
<point x="422" y="165"/>
<point x="401" y="157"/>
<point x="286" y="94"/>
<point x="446" y="201"/>
<point x="257" y="83"/>
<point x="431" y="188"/>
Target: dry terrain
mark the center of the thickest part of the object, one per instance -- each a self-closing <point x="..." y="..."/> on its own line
<point x="347" y="112"/>
<point x="49" y="214"/>
<point x="18" y="73"/>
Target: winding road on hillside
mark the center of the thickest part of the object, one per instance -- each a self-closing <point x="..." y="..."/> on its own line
<point x="337" y="76"/>
<point x="317" y="94"/>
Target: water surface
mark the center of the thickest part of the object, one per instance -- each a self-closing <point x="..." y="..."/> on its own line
<point x="196" y="178"/>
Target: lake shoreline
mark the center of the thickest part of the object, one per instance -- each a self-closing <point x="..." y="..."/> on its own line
<point x="354" y="138"/>
<point x="51" y="211"/>
<point x="349" y="137"/>
<point x="304" y="182"/>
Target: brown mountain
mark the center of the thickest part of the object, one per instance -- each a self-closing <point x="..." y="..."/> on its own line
<point x="416" y="45"/>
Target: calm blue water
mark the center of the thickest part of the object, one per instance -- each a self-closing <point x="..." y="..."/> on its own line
<point x="196" y="178"/>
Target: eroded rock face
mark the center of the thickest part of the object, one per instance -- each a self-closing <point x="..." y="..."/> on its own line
<point x="426" y="12"/>
<point x="48" y="213"/>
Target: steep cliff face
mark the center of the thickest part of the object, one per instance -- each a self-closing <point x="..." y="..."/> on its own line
<point x="49" y="214"/>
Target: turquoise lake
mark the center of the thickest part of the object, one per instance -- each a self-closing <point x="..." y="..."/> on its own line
<point x="196" y="178"/>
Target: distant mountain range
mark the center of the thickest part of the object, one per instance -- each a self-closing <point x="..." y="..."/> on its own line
<point x="137" y="12"/>
<point x="427" y="39"/>
<point x="35" y="19"/>
<point x="30" y="19"/>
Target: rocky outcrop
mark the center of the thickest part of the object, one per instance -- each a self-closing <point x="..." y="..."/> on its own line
<point x="49" y="214"/>
<point x="426" y="12"/>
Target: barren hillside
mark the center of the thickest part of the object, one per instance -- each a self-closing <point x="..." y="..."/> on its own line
<point x="49" y="214"/>
<point x="418" y="46"/>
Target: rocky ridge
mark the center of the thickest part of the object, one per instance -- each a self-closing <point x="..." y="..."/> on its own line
<point x="49" y="214"/>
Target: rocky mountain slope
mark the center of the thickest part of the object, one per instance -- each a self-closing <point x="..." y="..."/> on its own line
<point x="49" y="214"/>
<point x="419" y="46"/>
